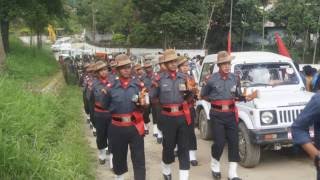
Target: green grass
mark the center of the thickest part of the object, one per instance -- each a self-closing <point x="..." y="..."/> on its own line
<point x="41" y="135"/>
<point x="29" y="64"/>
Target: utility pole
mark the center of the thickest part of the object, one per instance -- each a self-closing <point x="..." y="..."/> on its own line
<point x="316" y="43"/>
<point x="208" y="26"/>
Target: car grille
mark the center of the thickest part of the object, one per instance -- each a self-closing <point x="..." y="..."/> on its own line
<point x="288" y="115"/>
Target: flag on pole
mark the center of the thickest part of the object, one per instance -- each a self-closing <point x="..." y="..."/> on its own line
<point x="281" y="46"/>
<point x="229" y="42"/>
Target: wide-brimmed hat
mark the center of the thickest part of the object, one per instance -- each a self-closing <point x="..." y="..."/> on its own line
<point x="86" y="65"/>
<point x="100" y="65"/>
<point x="137" y="67"/>
<point x="169" y="55"/>
<point x="122" y="60"/>
<point x="91" y="67"/>
<point x="161" y="59"/>
<point x="113" y="63"/>
<point x="147" y="64"/>
<point x="182" y="60"/>
<point x="224" y="57"/>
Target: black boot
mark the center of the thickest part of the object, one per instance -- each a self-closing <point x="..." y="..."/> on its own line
<point x="167" y="177"/>
<point x="102" y="161"/>
<point x="194" y="163"/>
<point x="235" y="178"/>
<point x="216" y="175"/>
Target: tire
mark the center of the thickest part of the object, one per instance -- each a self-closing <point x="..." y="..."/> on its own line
<point x="249" y="153"/>
<point x="204" y="127"/>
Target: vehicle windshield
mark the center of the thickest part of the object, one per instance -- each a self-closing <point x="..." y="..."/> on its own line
<point x="266" y="74"/>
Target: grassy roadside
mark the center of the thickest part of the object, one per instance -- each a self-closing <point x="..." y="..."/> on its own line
<point x="41" y="135"/>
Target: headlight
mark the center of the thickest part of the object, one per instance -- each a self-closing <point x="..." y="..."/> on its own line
<point x="268" y="117"/>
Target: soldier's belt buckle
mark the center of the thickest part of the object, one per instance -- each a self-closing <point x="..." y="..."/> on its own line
<point x="225" y="107"/>
<point x="175" y="109"/>
<point x="126" y="119"/>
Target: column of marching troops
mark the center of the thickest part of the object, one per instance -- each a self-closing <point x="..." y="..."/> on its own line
<point x="119" y="99"/>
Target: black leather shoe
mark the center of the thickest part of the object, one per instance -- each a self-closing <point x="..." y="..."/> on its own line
<point x="235" y="178"/>
<point x="94" y="133"/>
<point x="91" y="126"/>
<point x="102" y="161"/>
<point x="146" y="132"/>
<point x="194" y="163"/>
<point x="167" y="177"/>
<point x="155" y="135"/>
<point x="216" y="175"/>
<point x="159" y="140"/>
<point x="88" y="120"/>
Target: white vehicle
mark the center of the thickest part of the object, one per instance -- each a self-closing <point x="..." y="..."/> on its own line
<point x="61" y="43"/>
<point x="264" y="122"/>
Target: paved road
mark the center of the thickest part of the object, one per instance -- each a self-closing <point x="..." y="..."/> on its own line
<point x="275" y="165"/>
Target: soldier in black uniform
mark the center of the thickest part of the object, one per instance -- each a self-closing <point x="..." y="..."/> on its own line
<point x="102" y="115"/>
<point x="175" y="116"/>
<point x="126" y="100"/>
<point x="184" y="68"/>
<point x="222" y="90"/>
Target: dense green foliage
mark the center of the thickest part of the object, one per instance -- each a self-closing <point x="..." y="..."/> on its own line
<point x="40" y="134"/>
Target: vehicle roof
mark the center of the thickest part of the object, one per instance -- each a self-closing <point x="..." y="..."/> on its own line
<point x="251" y="57"/>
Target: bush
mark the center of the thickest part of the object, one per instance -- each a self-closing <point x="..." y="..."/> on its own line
<point x="40" y="134"/>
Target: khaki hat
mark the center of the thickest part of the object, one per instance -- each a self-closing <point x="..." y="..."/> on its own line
<point x="113" y="63"/>
<point x="137" y="67"/>
<point x="147" y="64"/>
<point x="100" y="65"/>
<point x="91" y="67"/>
<point x="182" y="60"/>
<point x="122" y="60"/>
<point x="161" y="59"/>
<point x="224" y="57"/>
<point x="86" y="65"/>
<point x="169" y="55"/>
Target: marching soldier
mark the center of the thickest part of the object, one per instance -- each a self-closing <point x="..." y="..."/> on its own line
<point x="175" y="116"/>
<point x="183" y="66"/>
<point x="102" y="116"/>
<point x="113" y="70"/>
<point x="84" y="84"/>
<point x="147" y="80"/>
<point x="127" y="127"/>
<point x="222" y="90"/>
<point x="156" y="108"/>
<point x="89" y="96"/>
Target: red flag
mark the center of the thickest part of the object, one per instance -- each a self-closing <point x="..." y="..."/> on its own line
<point x="229" y="42"/>
<point x="281" y="46"/>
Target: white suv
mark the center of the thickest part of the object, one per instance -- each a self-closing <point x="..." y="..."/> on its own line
<point x="264" y="122"/>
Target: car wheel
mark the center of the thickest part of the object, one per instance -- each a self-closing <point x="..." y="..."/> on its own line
<point x="205" y="130"/>
<point x="249" y="153"/>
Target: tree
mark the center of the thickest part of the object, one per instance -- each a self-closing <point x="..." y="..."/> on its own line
<point x="2" y="54"/>
<point x="38" y="13"/>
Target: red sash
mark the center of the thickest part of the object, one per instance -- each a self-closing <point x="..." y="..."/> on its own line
<point x="227" y="103"/>
<point x="138" y="123"/>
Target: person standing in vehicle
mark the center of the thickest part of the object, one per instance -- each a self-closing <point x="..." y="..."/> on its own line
<point x="127" y="128"/>
<point x="300" y="130"/>
<point x="222" y="90"/>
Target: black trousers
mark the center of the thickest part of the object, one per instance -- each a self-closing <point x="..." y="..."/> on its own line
<point x="91" y="111"/>
<point x="192" y="135"/>
<point x="85" y="103"/>
<point x="224" y="128"/>
<point x="102" y="123"/>
<point x="175" y="132"/>
<point x="120" y="138"/>
<point x="146" y="114"/>
<point x="156" y="114"/>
